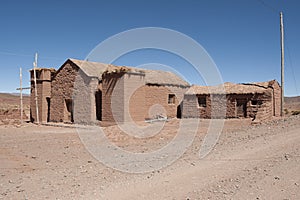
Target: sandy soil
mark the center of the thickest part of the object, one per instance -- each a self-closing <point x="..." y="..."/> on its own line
<point x="248" y="162"/>
<point x="10" y="111"/>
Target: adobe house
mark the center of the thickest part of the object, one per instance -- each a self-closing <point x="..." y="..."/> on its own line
<point x="43" y="84"/>
<point x="88" y="92"/>
<point x="259" y="101"/>
<point x="139" y="94"/>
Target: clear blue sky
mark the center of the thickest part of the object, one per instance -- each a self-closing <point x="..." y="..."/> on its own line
<point x="242" y="36"/>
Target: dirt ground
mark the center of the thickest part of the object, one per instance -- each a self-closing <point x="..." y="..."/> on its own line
<point x="248" y="162"/>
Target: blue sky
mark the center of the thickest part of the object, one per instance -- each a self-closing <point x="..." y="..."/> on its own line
<point x="241" y="36"/>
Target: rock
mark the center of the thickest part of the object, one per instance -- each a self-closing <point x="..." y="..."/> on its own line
<point x="286" y="156"/>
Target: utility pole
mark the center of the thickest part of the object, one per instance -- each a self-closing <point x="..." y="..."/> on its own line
<point x="35" y="89"/>
<point x="282" y="63"/>
<point x="21" y="96"/>
<point x="21" y="88"/>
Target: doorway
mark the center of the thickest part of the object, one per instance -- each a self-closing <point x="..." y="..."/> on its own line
<point x="68" y="114"/>
<point x="98" y="98"/>
<point x="48" y="108"/>
<point x="179" y="111"/>
<point x="241" y="108"/>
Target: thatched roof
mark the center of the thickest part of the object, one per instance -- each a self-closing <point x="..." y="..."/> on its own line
<point x="91" y="69"/>
<point x="155" y="77"/>
<point x="231" y="88"/>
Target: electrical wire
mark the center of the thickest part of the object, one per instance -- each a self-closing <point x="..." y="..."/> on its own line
<point x="268" y="6"/>
<point x="291" y="64"/>
<point x="29" y="55"/>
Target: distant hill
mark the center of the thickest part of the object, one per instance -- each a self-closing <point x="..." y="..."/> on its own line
<point x="8" y="100"/>
<point x="292" y="104"/>
<point x="10" y="107"/>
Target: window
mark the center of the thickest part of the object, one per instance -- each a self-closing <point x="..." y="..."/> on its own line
<point x="256" y="102"/>
<point x="201" y="101"/>
<point x="171" y="99"/>
<point x="37" y="74"/>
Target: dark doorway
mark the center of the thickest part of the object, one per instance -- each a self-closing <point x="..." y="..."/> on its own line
<point x="69" y="111"/>
<point x="241" y="108"/>
<point x="98" y="98"/>
<point x="179" y="111"/>
<point x="48" y="109"/>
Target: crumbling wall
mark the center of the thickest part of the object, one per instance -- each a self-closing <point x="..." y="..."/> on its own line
<point x="263" y="110"/>
<point x="276" y="98"/>
<point x="257" y="106"/>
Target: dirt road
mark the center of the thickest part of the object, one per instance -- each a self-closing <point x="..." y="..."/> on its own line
<point x="248" y="162"/>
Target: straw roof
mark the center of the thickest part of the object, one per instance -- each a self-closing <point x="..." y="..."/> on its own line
<point x="231" y="88"/>
<point x="155" y="77"/>
<point x="91" y="69"/>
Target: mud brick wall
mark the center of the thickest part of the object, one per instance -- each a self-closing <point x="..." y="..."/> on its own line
<point x="43" y="92"/>
<point x="218" y="105"/>
<point x="190" y="106"/>
<point x="276" y="98"/>
<point x="265" y="109"/>
<point x="84" y="100"/>
<point x="134" y="97"/>
<point x="73" y="85"/>
<point x="125" y="97"/>
<point x="231" y="106"/>
<point x="157" y="97"/>
<point x="62" y="89"/>
<point x="112" y="95"/>
<point x="262" y="111"/>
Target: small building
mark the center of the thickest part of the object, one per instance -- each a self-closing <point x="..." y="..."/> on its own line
<point x="43" y="83"/>
<point x="249" y="100"/>
<point x="88" y="92"/>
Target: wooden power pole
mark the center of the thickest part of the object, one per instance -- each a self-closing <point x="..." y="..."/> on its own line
<point x="35" y="89"/>
<point x="282" y="63"/>
<point x="21" y="88"/>
<point x="21" y="96"/>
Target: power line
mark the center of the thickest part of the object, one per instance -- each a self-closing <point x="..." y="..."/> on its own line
<point x="28" y="55"/>
<point x="268" y="6"/>
<point x="291" y="66"/>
